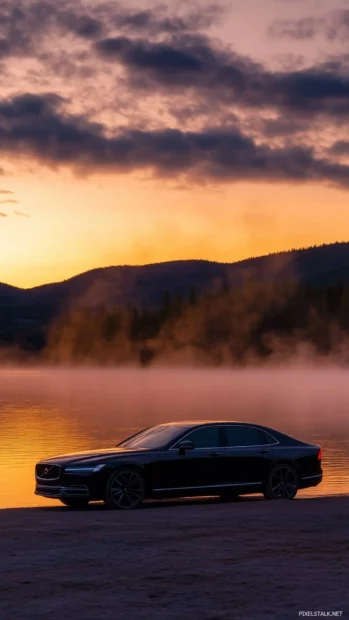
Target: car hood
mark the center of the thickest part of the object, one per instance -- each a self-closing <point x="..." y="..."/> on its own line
<point x="90" y="456"/>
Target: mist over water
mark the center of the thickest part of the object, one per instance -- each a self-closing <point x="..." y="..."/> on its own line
<point x="44" y="412"/>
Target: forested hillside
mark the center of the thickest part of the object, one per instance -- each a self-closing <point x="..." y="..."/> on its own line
<point x="185" y="312"/>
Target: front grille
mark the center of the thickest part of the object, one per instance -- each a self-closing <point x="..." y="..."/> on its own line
<point x="48" y="472"/>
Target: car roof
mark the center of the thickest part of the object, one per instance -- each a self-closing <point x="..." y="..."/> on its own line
<point x="188" y="424"/>
<point x="281" y="438"/>
<point x="192" y="423"/>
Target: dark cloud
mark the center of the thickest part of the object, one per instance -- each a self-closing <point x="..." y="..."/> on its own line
<point x="341" y="147"/>
<point x="161" y="52"/>
<point x="5" y="191"/>
<point x="189" y="62"/>
<point x="3" y="214"/>
<point x="163" y="60"/>
<point x="157" y="21"/>
<point x="81" y="25"/>
<point x="332" y="25"/>
<point x="63" y="15"/>
<point x="28" y="105"/>
<point x="5" y="48"/>
<point x="314" y="90"/>
<point x="24" y="26"/>
<point x="225" y="154"/>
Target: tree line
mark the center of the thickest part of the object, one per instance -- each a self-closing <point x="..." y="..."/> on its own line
<point x="254" y="323"/>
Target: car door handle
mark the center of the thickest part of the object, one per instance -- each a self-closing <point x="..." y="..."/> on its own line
<point x="264" y="450"/>
<point x="214" y="454"/>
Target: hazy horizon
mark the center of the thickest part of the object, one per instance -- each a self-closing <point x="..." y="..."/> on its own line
<point x="180" y="260"/>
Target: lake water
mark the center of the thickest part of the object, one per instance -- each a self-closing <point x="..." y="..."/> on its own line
<point x="44" y="412"/>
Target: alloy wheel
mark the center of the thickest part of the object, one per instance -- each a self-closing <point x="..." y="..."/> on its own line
<point x="126" y="490"/>
<point x="283" y="482"/>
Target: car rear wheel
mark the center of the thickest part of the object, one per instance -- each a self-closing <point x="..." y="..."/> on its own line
<point x="125" y="489"/>
<point x="76" y="504"/>
<point x="282" y="483"/>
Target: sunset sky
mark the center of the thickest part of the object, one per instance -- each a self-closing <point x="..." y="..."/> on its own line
<point x="141" y="132"/>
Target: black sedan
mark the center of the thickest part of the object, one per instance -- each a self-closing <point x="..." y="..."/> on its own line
<point x="184" y="459"/>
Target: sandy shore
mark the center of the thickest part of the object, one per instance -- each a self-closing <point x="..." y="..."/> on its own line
<point x="201" y="560"/>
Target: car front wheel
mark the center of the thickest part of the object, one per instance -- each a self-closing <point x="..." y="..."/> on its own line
<point x="282" y="483"/>
<point x="125" y="489"/>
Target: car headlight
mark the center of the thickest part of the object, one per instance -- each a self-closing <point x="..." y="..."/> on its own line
<point x="84" y="469"/>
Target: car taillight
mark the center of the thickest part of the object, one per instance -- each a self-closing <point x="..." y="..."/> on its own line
<point x="319" y="455"/>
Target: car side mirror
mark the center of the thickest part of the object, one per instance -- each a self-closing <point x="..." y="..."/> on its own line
<point x="183" y="446"/>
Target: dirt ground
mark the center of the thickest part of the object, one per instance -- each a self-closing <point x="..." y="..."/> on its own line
<point x="198" y="560"/>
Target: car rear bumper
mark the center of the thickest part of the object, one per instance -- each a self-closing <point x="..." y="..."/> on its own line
<point x="311" y="481"/>
<point x="62" y="492"/>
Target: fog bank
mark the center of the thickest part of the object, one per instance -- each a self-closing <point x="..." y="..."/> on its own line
<point x="298" y="400"/>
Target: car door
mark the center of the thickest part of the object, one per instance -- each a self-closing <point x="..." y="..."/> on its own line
<point x="200" y="467"/>
<point x="246" y="455"/>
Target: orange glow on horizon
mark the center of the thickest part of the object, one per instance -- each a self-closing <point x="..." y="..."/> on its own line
<point x="80" y="224"/>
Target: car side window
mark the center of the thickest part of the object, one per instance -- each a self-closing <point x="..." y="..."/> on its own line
<point x="265" y="438"/>
<point x="205" y="437"/>
<point x="237" y="436"/>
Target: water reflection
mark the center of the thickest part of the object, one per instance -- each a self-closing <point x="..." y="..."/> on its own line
<point x="47" y="412"/>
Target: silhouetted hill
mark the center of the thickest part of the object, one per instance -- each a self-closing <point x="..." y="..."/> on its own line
<point x="9" y="292"/>
<point x="145" y="286"/>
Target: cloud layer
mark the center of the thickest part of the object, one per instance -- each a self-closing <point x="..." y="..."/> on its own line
<point x="333" y="25"/>
<point x="154" y="92"/>
<point x="36" y="126"/>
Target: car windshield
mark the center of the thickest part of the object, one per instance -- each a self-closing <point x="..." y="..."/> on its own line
<point x="155" y="437"/>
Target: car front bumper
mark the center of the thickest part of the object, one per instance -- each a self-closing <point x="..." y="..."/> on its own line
<point x="62" y="492"/>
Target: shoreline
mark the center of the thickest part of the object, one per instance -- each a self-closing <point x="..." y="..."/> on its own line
<point x="188" y="559"/>
<point x="180" y="501"/>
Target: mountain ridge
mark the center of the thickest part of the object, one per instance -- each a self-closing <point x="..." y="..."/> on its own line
<point x="144" y="286"/>
<point x="251" y="259"/>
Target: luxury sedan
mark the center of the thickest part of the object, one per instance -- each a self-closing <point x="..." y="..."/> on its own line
<point x="226" y="459"/>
